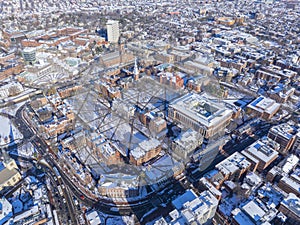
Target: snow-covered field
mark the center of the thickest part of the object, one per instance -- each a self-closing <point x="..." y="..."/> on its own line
<point x="88" y="108"/>
<point x="5" y="131"/>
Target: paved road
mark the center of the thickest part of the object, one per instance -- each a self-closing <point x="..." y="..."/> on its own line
<point x="42" y="148"/>
<point x="229" y="149"/>
<point x="58" y="203"/>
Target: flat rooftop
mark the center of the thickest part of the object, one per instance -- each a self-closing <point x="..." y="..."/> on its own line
<point x="261" y="151"/>
<point x="253" y="210"/>
<point x="201" y="109"/>
<point x="233" y="163"/>
<point x="263" y="104"/>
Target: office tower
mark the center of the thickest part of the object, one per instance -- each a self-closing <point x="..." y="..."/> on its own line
<point x="113" y="31"/>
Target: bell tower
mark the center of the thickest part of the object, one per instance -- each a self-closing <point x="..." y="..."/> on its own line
<point x="136" y="72"/>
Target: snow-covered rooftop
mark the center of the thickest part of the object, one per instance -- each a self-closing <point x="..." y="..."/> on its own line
<point x="144" y="147"/>
<point x="93" y="218"/>
<point x="201" y="109"/>
<point x="5" y="210"/>
<point x="261" y="150"/>
<point x="253" y="210"/>
<point x="233" y="163"/>
<point x="291" y="162"/>
<point x="292" y="202"/>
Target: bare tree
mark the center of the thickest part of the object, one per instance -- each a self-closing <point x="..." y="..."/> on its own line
<point x="13" y="90"/>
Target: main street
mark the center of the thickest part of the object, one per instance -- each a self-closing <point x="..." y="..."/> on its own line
<point x="229" y="149"/>
<point x="42" y="148"/>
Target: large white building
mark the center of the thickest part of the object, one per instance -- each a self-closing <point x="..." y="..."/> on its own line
<point x="113" y="32"/>
<point x="193" y="209"/>
<point x="263" y="107"/>
<point x="205" y="116"/>
<point x="261" y="153"/>
<point x="186" y="143"/>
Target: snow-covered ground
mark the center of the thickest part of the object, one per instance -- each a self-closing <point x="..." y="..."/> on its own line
<point x="5" y="131"/>
<point x="88" y="108"/>
<point x="11" y="110"/>
<point x="26" y="150"/>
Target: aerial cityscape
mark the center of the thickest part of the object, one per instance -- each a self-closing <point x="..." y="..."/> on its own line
<point x="151" y="112"/>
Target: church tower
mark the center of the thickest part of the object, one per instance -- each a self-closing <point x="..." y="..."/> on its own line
<point x="136" y="72"/>
<point x="11" y="135"/>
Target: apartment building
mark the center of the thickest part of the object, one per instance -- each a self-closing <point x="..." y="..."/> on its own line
<point x="113" y="32"/>
<point x="283" y="134"/>
<point x="263" y="107"/>
<point x="145" y="151"/>
<point x="261" y="154"/>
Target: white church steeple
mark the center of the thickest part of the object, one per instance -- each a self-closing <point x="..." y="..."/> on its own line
<point x="136" y="72"/>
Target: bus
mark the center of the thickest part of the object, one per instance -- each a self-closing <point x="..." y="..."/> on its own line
<point x="56" y="172"/>
<point x="55" y="217"/>
<point x="60" y="190"/>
